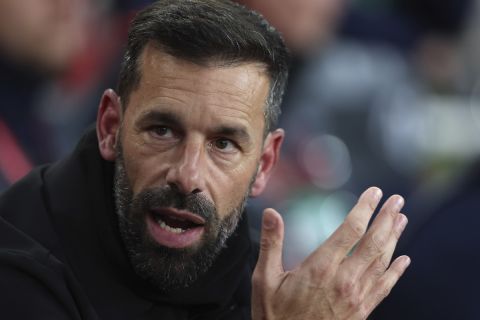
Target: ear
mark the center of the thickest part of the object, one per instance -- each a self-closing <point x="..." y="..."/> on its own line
<point x="268" y="160"/>
<point x="108" y="123"/>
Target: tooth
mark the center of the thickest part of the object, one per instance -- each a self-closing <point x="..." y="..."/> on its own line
<point x="165" y="226"/>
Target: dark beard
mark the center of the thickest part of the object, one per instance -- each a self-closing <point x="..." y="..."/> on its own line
<point x="167" y="268"/>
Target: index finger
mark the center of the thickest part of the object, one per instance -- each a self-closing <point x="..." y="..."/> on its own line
<point x="339" y="244"/>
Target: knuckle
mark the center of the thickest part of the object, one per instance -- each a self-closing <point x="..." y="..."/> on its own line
<point x="374" y="246"/>
<point x="392" y="213"/>
<point x="266" y="244"/>
<point x="380" y="266"/>
<point x="378" y="271"/>
<point x="321" y="271"/>
<point x="355" y="227"/>
<point x="354" y="302"/>
<point x="347" y="288"/>
<point x="383" y="294"/>
<point x="383" y="262"/>
<point x="345" y="241"/>
<point x="378" y="242"/>
<point x="367" y="203"/>
<point x="371" y="205"/>
<point x="384" y="290"/>
<point x="370" y="250"/>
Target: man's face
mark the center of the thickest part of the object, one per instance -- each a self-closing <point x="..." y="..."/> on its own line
<point x="188" y="150"/>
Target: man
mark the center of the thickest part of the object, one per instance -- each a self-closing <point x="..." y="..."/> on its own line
<point x="189" y="136"/>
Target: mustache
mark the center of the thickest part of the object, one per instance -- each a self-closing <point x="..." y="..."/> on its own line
<point x="168" y="196"/>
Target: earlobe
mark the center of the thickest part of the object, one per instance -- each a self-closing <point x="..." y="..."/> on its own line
<point x="108" y="124"/>
<point x="268" y="160"/>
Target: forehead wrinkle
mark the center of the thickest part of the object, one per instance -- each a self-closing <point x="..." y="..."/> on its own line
<point x="228" y="97"/>
<point x="240" y="85"/>
<point x="205" y="79"/>
<point x="245" y="98"/>
<point x="243" y="111"/>
<point x="172" y="87"/>
<point x="208" y="89"/>
<point x="154" y="58"/>
<point x="169" y="97"/>
<point x="237" y="98"/>
<point x="228" y="111"/>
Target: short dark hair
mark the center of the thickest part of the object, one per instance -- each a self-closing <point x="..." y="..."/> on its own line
<point x="203" y="31"/>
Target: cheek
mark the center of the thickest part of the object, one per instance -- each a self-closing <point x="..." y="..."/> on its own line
<point x="144" y="169"/>
<point x="232" y="189"/>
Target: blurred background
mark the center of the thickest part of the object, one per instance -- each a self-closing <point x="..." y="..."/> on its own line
<point x="382" y="92"/>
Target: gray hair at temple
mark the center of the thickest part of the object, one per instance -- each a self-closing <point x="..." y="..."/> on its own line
<point x="207" y="32"/>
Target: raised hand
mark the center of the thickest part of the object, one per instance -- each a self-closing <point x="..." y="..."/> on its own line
<point x="331" y="283"/>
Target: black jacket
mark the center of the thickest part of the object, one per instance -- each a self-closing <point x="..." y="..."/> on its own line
<point x="443" y="280"/>
<point x="61" y="256"/>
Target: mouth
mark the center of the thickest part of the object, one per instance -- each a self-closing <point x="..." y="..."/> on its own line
<point x="175" y="228"/>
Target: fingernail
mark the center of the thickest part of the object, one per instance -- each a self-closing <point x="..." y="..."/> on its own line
<point x="406" y="261"/>
<point x="269" y="222"/>
<point x="398" y="203"/>
<point x="376" y="193"/>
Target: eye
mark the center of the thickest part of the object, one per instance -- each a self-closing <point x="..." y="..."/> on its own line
<point x="161" y="131"/>
<point x="225" y="145"/>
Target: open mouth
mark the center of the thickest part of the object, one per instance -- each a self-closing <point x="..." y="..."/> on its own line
<point x="177" y="222"/>
<point x="175" y="228"/>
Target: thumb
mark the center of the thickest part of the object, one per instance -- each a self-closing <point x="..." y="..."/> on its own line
<point x="269" y="263"/>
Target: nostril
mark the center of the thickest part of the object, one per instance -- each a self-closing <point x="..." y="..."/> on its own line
<point x="175" y="187"/>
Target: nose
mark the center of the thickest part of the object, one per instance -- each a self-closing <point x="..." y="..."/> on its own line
<point x="185" y="172"/>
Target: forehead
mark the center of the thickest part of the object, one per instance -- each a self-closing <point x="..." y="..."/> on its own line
<point x="236" y="91"/>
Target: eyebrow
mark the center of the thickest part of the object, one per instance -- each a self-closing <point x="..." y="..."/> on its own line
<point x="237" y="132"/>
<point x="155" y="116"/>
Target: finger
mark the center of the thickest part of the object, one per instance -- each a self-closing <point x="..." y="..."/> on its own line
<point x="376" y="241"/>
<point x="385" y="283"/>
<point x="269" y="264"/>
<point x="378" y="267"/>
<point x="337" y="246"/>
<point x="389" y="211"/>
